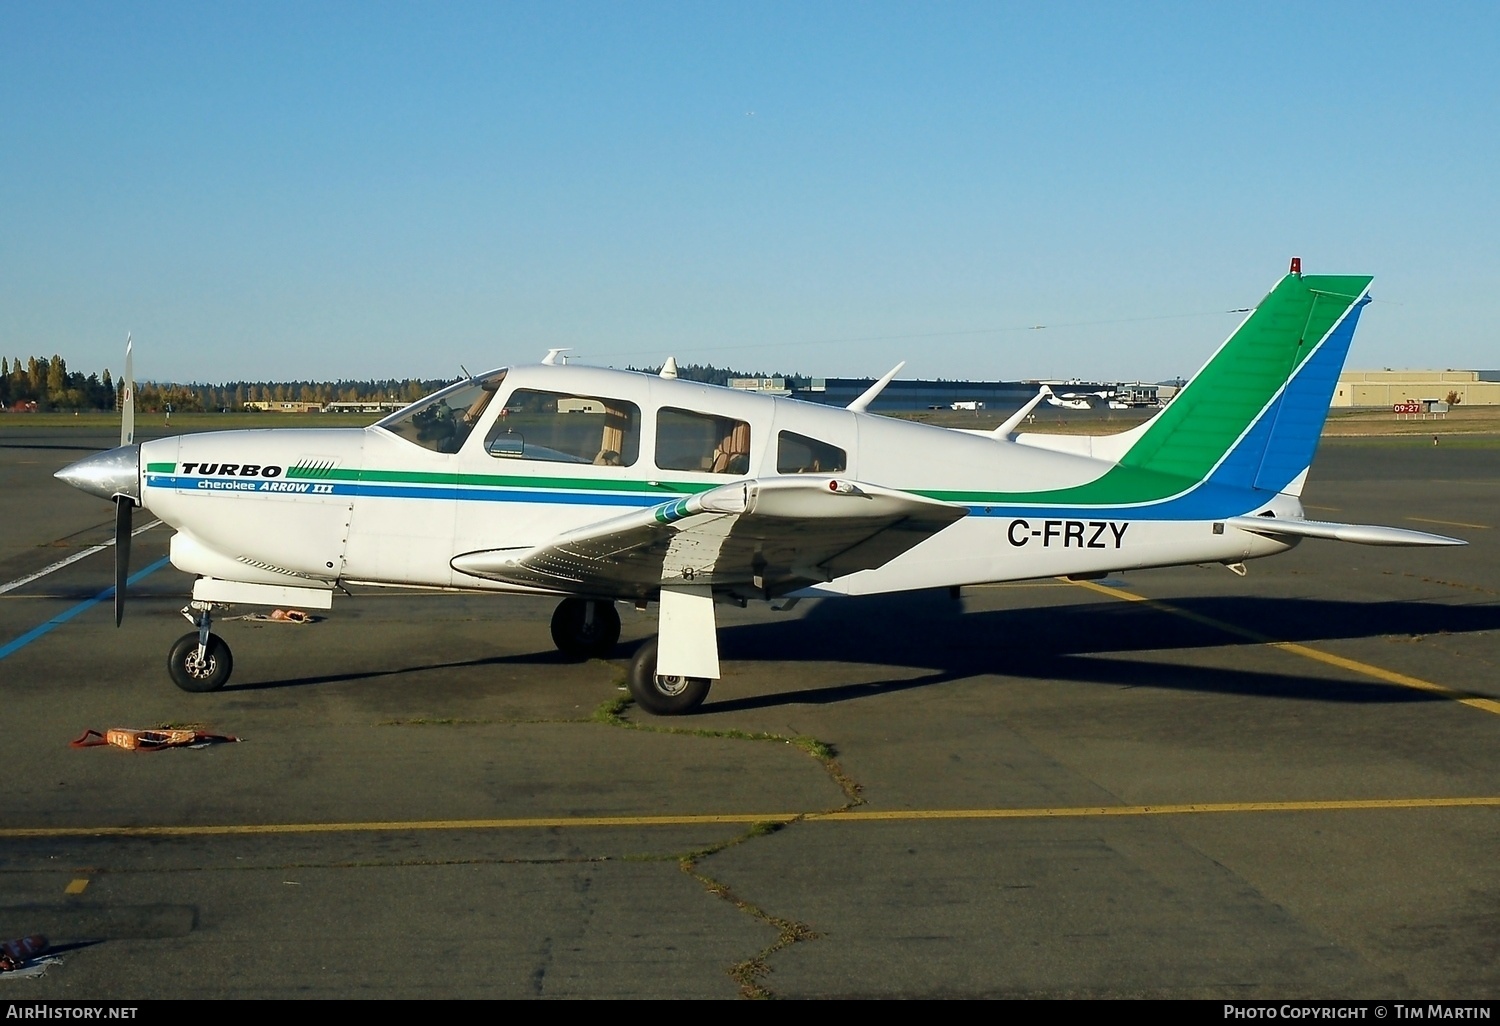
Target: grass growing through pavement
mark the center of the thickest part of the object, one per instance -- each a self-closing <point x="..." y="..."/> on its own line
<point x="751" y="973"/>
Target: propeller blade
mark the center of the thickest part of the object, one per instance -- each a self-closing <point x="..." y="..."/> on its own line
<point x="127" y="400"/>
<point x="123" y="511"/>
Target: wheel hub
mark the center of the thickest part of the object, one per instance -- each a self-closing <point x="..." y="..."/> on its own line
<point x="671" y="684"/>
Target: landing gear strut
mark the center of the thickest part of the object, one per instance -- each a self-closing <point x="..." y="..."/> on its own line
<point x="200" y="661"/>
<point x="585" y="629"/>
<point x="663" y="695"/>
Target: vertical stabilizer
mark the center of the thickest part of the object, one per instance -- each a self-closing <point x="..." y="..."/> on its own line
<point x="1252" y="416"/>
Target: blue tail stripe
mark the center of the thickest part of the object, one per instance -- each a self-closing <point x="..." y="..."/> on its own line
<point x="1281" y="443"/>
<point x="1304" y="408"/>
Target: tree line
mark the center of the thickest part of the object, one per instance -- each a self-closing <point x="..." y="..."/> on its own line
<point x="40" y="383"/>
<point x="711" y="375"/>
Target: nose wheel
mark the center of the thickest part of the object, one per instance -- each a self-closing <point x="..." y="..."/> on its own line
<point x="664" y="695"/>
<point x="200" y="661"/>
<point x="585" y="629"/>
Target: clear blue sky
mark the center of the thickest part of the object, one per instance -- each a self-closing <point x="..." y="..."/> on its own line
<point x="327" y="190"/>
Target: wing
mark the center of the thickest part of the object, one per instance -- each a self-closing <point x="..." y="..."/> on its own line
<point x="771" y="536"/>
<point x="1363" y="534"/>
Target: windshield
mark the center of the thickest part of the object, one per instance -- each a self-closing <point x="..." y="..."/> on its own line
<point x="443" y="421"/>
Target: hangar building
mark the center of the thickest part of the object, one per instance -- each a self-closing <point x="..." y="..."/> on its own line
<point x="1388" y="387"/>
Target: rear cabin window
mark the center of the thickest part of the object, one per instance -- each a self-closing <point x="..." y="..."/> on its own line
<point x="798" y="454"/>
<point x="563" y="428"/>
<point x="696" y="441"/>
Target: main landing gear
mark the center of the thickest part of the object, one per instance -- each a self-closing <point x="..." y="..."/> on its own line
<point x="589" y="629"/>
<point x="585" y="628"/>
<point x="200" y="661"/>
<point x="664" y="695"/>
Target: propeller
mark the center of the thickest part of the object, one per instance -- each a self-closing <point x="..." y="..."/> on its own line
<point x="115" y="475"/>
<point x="124" y="504"/>
<point x="123" y="509"/>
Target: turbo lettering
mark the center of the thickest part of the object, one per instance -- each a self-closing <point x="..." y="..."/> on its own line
<point x="1069" y="534"/>
<point x="232" y="469"/>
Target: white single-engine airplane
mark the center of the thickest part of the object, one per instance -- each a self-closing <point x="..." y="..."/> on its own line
<point x="607" y="486"/>
<point x="1068" y="400"/>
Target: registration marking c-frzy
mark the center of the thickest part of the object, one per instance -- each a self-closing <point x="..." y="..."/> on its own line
<point x="1083" y="534"/>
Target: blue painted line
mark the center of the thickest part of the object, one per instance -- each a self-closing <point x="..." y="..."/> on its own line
<point x="62" y="618"/>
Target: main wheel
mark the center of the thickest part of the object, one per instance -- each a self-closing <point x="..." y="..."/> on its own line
<point x="663" y="695"/>
<point x="191" y="675"/>
<point x="578" y="637"/>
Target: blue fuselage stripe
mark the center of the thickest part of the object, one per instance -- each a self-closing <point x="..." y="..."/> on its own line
<point x="1207" y="501"/>
<point x="572" y="497"/>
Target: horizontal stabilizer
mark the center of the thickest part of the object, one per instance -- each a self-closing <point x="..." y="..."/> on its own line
<point x="1362" y="534"/>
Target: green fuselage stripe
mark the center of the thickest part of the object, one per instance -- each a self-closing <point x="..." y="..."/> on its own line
<point x="500" y="480"/>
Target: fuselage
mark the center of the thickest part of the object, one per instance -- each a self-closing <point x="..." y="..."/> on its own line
<point x="518" y="456"/>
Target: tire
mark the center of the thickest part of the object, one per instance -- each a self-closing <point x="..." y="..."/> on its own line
<point x="212" y="675"/>
<point x="663" y="696"/>
<point x="577" y="641"/>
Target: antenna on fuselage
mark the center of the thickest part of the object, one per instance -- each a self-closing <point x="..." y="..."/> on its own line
<point x="858" y="406"/>
<point x="669" y="369"/>
<point x="1014" y="420"/>
<point x="553" y="354"/>
<point x="467" y="375"/>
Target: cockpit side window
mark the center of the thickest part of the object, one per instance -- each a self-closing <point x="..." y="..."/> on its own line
<point x="697" y="441"/>
<point x="798" y="454"/>
<point x="443" y="421"/>
<point x="564" y="428"/>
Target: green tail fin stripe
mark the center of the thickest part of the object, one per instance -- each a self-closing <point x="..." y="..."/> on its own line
<point x="1201" y="424"/>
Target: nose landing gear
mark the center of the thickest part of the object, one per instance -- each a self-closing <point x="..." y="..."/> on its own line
<point x="200" y="661"/>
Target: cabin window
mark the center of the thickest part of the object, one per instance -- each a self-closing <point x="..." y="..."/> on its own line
<point x="442" y="422"/>
<point x="798" y="454"/>
<point x="561" y="427"/>
<point x="696" y="441"/>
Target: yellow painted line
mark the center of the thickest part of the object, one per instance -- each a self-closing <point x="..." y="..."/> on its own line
<point x="1450" y="523"/>
<point x="76" y="886"/>
<point x="1489" y="705"/>
<point x="733" y="819"/>
<point x="1166" y="810"/>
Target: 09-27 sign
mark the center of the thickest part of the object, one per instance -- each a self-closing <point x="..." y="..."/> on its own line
<point x="1406" y="408"/>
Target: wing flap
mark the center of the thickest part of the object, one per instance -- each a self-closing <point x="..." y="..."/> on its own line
<point x="1362" y="534"/>
<point x="773" y="535"/>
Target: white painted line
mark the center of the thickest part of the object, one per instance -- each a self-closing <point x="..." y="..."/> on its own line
<point x="75" y="557"/>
